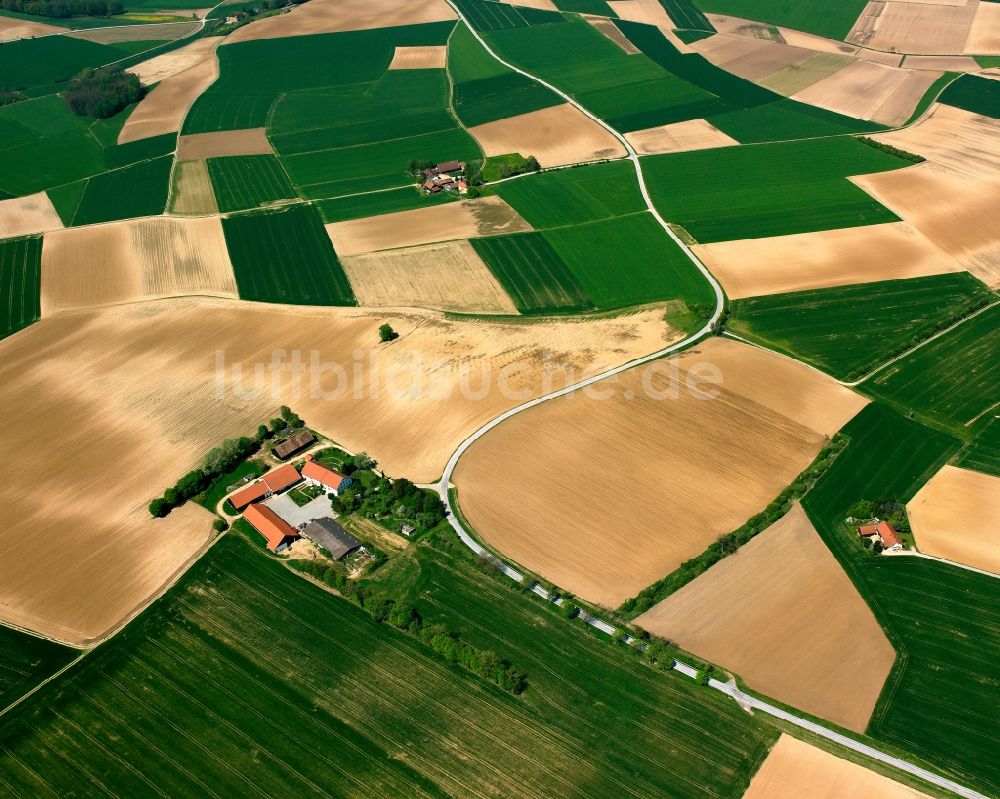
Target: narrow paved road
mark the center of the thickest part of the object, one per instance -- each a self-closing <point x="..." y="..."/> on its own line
<point x="444" y="483"/>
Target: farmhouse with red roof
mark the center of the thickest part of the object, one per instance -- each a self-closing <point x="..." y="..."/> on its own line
<point x="269" y="484"/>
<point x="278" y="533"/>
<point x="332" y="482"/>
<point x="883" y="532"/>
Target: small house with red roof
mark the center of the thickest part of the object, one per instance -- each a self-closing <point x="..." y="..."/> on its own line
<point x="883" y="532"/>
<point x="330" y="481"/>
<point x="271" y="483"/>
<point x="276" y="531"/>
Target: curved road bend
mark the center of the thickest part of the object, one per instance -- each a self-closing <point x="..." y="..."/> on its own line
<point x="445" y="481"/>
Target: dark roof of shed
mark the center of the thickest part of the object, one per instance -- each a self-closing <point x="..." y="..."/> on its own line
<point x="332" y="537"/>
<point x="293" y="444"/>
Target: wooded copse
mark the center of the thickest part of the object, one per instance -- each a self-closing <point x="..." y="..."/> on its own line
<point x="102" y="93"/>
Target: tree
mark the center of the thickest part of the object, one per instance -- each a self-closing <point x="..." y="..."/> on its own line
<point x="290" y="416"/>
<point x="262" y="432"/>
<point x="877" y="547"/>
<point x="159" y="508"/>
<point x="278" y="424"/>
<point x="531" y="164"/>
<point x="386" y="333"/>
<point x="220" y="525"/>
<point x="102" y="93"/>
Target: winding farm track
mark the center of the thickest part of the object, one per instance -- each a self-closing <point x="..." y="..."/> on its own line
<point x="444" y="484"/>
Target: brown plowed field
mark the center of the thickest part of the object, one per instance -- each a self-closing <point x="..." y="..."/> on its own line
<point x="556" y="136"/>
<point x="249" y="141"/>
<point x="163" y="109"/>
<point x="488" y="216"/>
<point x="176" y="61"/>
<point x="606" y="494"/>
<point x="610" y="30"/>
<point x="22" y="216"/>
<point x="795" y="770"/>
<point x="783" y="615"/>
<point x="447" y="277"/>
<point x="956" y="516"/>
<point x="543" y="5"/>
<point x="134" y="259"/>
<point x="115" y="404"/>
<point x="920" y="28"/>
<point x="649" y="12"/>
<point x="984" y="38"/>
<point x="679" y="137"/>
<point x="430" y="57"/>
<point x="11" y="29"/>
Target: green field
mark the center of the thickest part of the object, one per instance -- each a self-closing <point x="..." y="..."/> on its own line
<point x="25" y="661"/>
<point x="248" y="181"/>
<point x="598" y="7"/>
<point x="979" y="95"/>
<point x="850" y="329"/>
<point x="533" y="274"/>
<point x="33" y="63"/>
<point x="247" y="679"/>
<point x="137" y="190"/>
<point x="20" y="283"/>
<point x="406" y="198"/>
<point x="491" y="16"/>
<point x="686" y="15"/>
<point x="983" y="452"/>
<point x="943" y="621"/>
<point x="768" y="190"/>
<point x="571" y="196"/>
<point x="286" y="257"/>
<point x="833" y="20"/>
<point x="628" y="260"/>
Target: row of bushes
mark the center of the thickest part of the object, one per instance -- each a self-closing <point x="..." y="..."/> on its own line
<point x="728" y="544"/>
<point x="102" y="93"/>
<point x="888" y="148"/>
<point x="403" y="616"/>
<point x="62" y="9"/>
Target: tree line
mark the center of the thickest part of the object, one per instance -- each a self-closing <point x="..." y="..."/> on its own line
<point x="62" y="9"/>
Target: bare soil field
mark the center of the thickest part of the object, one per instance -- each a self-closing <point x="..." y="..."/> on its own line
<point x="134" y="259"/>
<point x="557" y="135"/>
<point x="752" y="267"/>
<point x="163" y="109"/>
<point x="922" y="28"/>
<point x="867" y="90"/>
<point x="723" y="48"/>
<point x="22" y="216"/>
<point x="767" y="60"/>
<point x="956" y="516"/>
<point x="180" y="60"/>
<point x="890" y="59"/>
<point x="117" y="403"/>
<point x="648" y="11"/>
<point x="191" y="192"/>
<point x="11" y="29"/>
<point x="796" y="77"/>
<point x="679" y="137"/>
<point x="795" y="769"/>
<point x="942" y="63"/>
<point x="689" y="467"/>
<point x="137" y="33"/>
<point x="446" y="277"/>
<point x="782" y="614"/>
<point x="789" y="36"/>
<point x="249" y="141"/>
<point x="984" y="38"/>
<point x="543" y="5"/>
<point x="611" y="31"/>
<point x="332" y="16"/>
<point x="487" y="216"/>
<point x="428" y="57"/>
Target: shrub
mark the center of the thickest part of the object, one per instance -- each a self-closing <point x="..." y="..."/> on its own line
<point x="159" y="508"/>
<point x="386" y="333"/>
<point x="102" y="93"/>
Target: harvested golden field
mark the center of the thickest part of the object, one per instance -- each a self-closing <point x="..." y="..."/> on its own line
<point x="795" y="769"/>
<point x="916" y="27"/>
<point x="249" y="141"/>
<point x="429" y="57"/>
<point x="22" y="216"/>
<point x="191" y="191"/>
<point x="956" y="516"/>
<point x="332" y="16"/>
<point x="751" y="267"/>
<point x="446" y="277"/>
<point x="556" y="136"/>
<point x="163" y="109"/>
<point x="796" y="77"/>
<point x="692" y="467"/>
<point x="942" y="63"/>
<point x="782" y="614"/>
<point x="867" y="90"/>
<point x="611" y="31"/>
<point x="137" y="33"/>
<point x="11" y="29"/>
<point x="543" y="5"/>
<point x="723" y="48"/>
<point x="794" y="38"/>
<point x="984" y="38"/>
<point x="135" y="259"/>
<point x="648" y="11"/>
<point x="117" y="403"/>
<point x="176" y="61"/>
<point x="679" y="137"/>
<point x="487" y="216"/>
<point x="750" y="57"/>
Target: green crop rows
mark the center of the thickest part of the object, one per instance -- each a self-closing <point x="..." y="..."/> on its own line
<point x="20" y="283"/>
<point x="983" y="453"/>
<point x="850" y="329"/>
<point x="286" y="257"/>
<point x="248" y="181"/>
<point x="979" y="95"/>
<point x="31" y="63"/>
<point x="25" y="661"/>
<point x="833" y="20"/>
<point x="137" y="190"/>
<point x="685" y="14"/>
<point x="532" y="273"/>
<point x="406" y="198"/>
<point x="768" y="190"/>
<point x="486" y="15"/>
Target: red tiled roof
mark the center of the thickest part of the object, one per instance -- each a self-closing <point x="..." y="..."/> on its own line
<point x="282" y="477"/>
<point x="266" y="522"/>
<point x="251" y="493"/>
<point x="888" y="534"/>
<point x="867" y="530"/>
<point x="327" y="477"/>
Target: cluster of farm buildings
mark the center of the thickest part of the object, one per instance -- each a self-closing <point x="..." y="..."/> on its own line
<point x="884" y="533"/>
<point x="446" y="176"/>
<point x="283" y="523"/>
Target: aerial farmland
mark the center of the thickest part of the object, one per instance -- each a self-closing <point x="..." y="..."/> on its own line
<point x="500" y="398"/>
